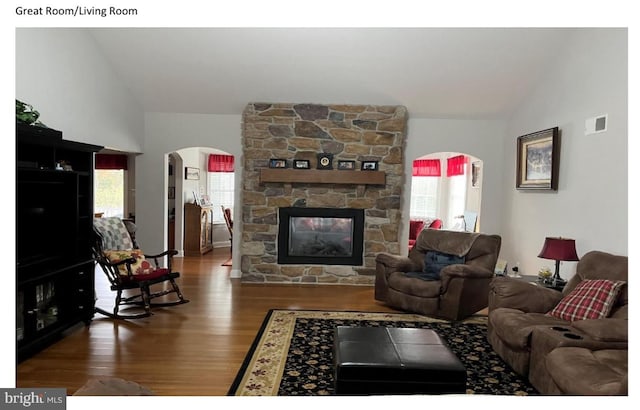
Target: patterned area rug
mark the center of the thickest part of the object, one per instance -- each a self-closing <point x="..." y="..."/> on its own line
<point x="292" y="354"/>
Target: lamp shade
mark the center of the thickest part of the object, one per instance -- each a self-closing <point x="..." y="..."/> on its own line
<point x="559" y="249"/>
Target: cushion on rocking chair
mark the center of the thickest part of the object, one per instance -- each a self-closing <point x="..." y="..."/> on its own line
<point x="154" y="274"/>
<point x="140" y="267"/>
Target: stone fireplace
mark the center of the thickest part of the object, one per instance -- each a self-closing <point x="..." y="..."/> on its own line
<point x="301" y="132"/>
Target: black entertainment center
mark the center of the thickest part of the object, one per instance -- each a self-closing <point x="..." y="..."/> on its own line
<point x="54" y="218"/>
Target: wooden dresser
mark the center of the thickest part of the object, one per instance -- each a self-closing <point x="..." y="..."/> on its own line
<point x="198" y="229"/>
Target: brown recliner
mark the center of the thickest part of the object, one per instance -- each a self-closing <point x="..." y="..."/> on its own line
<point x="523" y="335"/>
<point x="462" y="289"/>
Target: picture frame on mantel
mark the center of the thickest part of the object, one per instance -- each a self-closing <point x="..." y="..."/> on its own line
<point x="301" y="164"/>
<point x="369" y="165"/>
<point x="538" y="160"/>
<point x="277" y="163"/>
<point x="347" y="165"/>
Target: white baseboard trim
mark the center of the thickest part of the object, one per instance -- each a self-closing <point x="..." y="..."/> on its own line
<point x="235" y="274"/>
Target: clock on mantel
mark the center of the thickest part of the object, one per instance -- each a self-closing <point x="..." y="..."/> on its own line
<point x="325" y="161"/>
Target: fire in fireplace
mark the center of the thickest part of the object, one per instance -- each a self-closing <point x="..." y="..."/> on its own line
<point x="325" y="236"/>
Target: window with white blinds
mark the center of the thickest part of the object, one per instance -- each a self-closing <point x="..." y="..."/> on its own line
<point x="424" y="197"/>
<point x="221" y="192"/>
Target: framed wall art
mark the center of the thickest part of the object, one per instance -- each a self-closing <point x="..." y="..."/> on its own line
<point x="191" y="173"/>
<point x="538" y="160"/>
<point x="476" y="174"/>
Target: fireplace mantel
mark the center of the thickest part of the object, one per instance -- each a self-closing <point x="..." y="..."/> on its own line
<point x="314" y="176"/>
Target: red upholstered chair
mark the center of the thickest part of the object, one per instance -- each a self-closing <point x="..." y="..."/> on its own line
<point x="415" y="226"/>
<point x="437" y="224"/>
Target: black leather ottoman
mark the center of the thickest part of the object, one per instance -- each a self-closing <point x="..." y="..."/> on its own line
<point x="378" y="360"/>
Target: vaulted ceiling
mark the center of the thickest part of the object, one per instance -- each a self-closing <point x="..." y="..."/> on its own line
<point x="472" y="73"/>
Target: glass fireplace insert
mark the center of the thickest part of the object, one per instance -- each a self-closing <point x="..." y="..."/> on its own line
<point x="326" y="236"/>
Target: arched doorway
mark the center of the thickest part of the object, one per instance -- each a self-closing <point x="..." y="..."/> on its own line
<point x="182" y="189"/>
<point x="447" y="186"/>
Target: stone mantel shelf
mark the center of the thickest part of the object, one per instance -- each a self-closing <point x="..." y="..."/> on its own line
<point x="324" y="176"/>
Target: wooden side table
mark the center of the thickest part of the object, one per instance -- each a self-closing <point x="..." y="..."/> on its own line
<point x="537" y="280"/>
<point x="552" y="284"/>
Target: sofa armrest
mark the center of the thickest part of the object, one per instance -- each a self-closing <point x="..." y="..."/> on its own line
<point x="394" y="263"/>
<point x="604" y="330"/>
<point x="521" y="295"/>
<point x="545" y="339"/>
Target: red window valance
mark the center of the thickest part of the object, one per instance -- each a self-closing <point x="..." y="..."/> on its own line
<point x="111" y="161"/>
<point x="426" y="168"/>
<point x="455" y="165"/>
<point x="220" y="163"/>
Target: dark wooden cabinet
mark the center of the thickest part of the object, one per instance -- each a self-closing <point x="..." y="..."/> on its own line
<point x="54" y="217"/>
<point x="198" y="229"/>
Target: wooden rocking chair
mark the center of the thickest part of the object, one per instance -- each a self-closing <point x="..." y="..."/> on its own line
<point x="128" y="269"/>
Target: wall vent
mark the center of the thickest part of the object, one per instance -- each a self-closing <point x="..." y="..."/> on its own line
<point x="596" y="124"/>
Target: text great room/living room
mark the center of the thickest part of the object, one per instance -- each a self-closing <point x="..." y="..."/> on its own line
<point x="76" y="11"/>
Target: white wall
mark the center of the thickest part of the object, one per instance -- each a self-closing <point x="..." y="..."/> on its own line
<point x="590" y="205"/>
<point x="481" y="139"/>
<point x="61" y="73"/>
<point x="165" y="133"/>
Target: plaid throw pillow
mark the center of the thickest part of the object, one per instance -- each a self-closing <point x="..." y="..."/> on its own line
<point x="591" y="299"/>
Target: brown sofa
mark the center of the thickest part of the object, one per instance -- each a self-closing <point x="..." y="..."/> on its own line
<point x="462" y="289"/>
<point x="567" y="367"/>
<point x="532" y="343"/>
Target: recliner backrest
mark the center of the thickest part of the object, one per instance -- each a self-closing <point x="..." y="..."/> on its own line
<point x="485" y="251"/>
<point x="603" y="265"/>
<point x="481" y="249"/>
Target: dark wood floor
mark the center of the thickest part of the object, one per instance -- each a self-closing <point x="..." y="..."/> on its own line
<point x="194" y="349"/>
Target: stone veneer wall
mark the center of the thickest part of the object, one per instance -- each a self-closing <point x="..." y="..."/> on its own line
<point x="301" y="131"/>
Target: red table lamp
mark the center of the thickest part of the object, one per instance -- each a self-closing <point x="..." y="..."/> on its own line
<point x="559" y="249"/>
